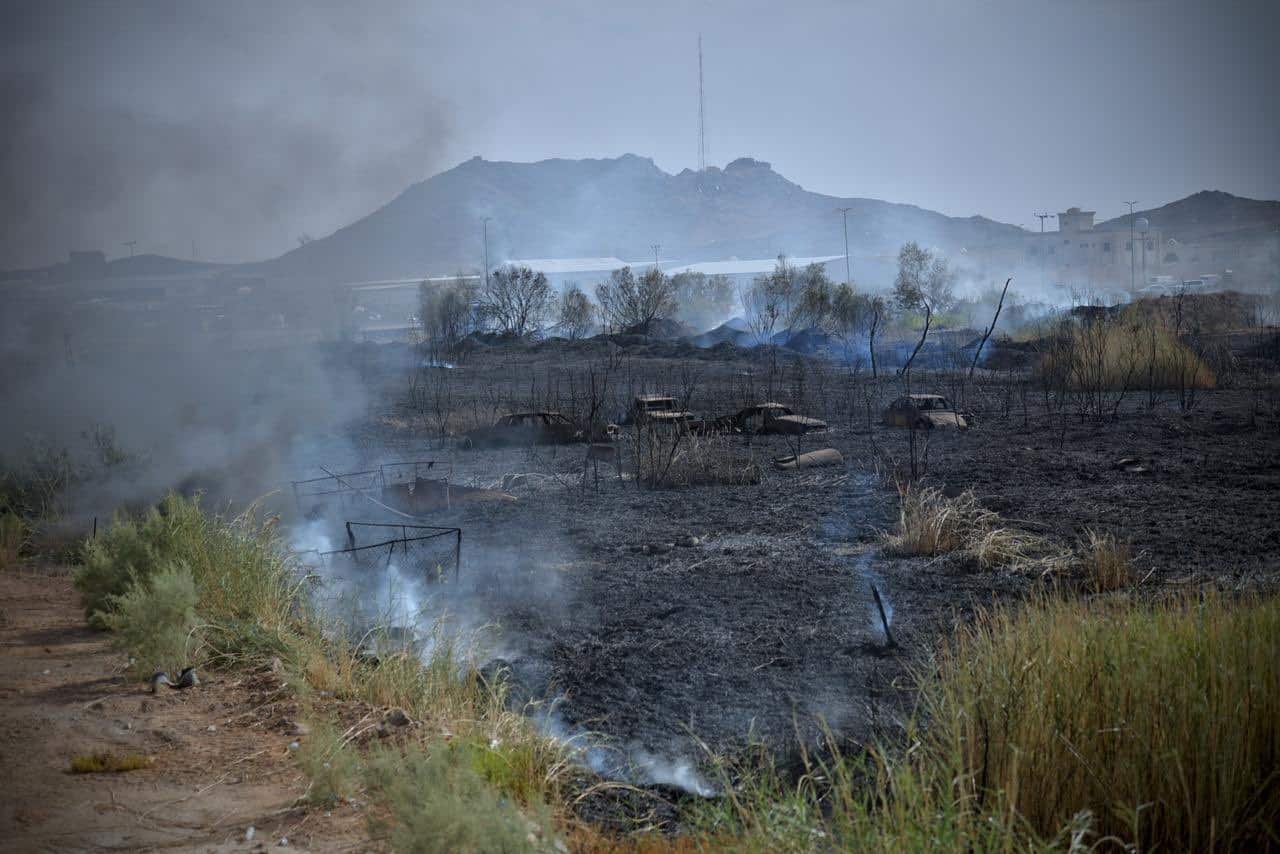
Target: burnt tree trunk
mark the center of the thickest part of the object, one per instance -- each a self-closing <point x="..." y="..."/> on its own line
<point x="928" y="320"/>
<point x="992" y="328"/>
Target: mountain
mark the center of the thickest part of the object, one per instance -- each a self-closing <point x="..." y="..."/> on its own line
<point x="1209" y="214"/>
<point x="615" y="207"/>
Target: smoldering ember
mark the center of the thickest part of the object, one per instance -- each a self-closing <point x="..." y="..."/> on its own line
<point x="498" y="428"/>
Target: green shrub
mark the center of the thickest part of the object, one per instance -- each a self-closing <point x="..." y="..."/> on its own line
<point x="243" y="571"/>
<point x="436" y="800"/>
<point x="331" y="765"/>
<point x="155" y="620"/>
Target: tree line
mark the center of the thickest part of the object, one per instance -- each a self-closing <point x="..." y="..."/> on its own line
<point x="516" y="301"/>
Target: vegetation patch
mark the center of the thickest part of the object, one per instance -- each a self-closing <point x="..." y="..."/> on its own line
<point x="106" y="762"/>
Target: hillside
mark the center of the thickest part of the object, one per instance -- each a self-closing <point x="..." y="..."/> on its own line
<point x="614" y="207"/>
<point x="1209" y="213"/>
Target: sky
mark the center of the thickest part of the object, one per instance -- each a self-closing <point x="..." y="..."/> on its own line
<point x="229" y="131"/>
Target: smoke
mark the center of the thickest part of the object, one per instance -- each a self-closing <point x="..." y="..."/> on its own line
<point x="234" y="126"/>
<point x="140" y="420"/>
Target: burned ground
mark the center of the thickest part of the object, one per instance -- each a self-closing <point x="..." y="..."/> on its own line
<point x="656" y="619"/>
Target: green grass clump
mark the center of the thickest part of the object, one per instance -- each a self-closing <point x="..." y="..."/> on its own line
<point x="155" y="620"/>
<point x="434" y="799"/>
<point x="107" y="762"/>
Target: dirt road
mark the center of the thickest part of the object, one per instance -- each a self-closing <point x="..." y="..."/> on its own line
<point x="220" y="756"/>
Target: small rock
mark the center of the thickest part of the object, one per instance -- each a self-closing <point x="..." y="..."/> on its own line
<point x="277" y="666"/>
<point x="211" y="728"/>
<point x="294" y="745"/>
<point x="397" y="717"/>
<point x="249" y="832"/>
<point x="297" y="728"/>
<point x="284" y="842"/>
<point x="688" y="541"/>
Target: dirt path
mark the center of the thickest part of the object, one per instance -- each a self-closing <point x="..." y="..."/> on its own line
<point x="221" y="759"/>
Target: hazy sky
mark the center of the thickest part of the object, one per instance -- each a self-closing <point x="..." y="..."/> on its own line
<point x="242" y="125"/>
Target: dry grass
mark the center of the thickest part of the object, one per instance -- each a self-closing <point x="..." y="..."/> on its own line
<point x="13" y="538"/>
<point x="1125" y="354"/>
<point x="1105" y="562"/>
<point x="1163" y="722"/>
<point x="930" y="524"/>
<point x="107" y="762"/>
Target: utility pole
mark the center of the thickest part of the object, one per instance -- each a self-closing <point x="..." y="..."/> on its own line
<point x="655" y="247"/>
<point x="844" y="213"/>
<point x="130" y="244"/>
<point x="1133" y="260"/>
<point x="1044" y="250"/>
<point x="484" y="224"/>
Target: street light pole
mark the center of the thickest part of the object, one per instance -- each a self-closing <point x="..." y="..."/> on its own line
<point x="1133" y="288"/>
<point x="1144" y="227"/>
<point x="484" y="224"/>
<point x="844" y="213"/>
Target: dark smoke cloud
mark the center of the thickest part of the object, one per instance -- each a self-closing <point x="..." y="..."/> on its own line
<point x="239" y="126"/>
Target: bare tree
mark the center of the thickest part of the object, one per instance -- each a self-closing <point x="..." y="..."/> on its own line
<point x="632" y="304"/>
<point x="516" y="300"/>
<point x="574" y="313"/>
<point x="703" y="299"/>
<point x="446" y="315"/>
<point x="924" y="284"/>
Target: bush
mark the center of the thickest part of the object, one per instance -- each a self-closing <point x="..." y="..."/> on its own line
<point x="330" y="764"/>
<point x="155" y="620"/>
<point x="436" y="800"/>
<point x="246" y="579"/>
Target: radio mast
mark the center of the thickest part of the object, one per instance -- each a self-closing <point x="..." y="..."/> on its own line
<point x="702" y="116"/>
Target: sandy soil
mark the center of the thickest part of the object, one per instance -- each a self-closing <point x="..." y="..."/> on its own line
<point x="219" y="766"/>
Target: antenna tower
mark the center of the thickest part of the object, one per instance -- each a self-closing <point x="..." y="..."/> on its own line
<point x="702" y="116"/>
